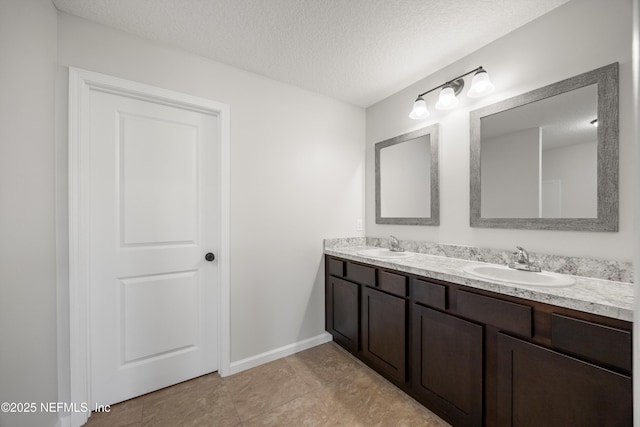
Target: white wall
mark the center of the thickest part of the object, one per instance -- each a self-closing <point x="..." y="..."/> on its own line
<point x="574" y="38"/>
<point x="28" y="371"/>
<point x="297" y="170"/>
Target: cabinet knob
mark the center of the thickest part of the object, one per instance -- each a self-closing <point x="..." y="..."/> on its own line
<point x="210" y="256"/>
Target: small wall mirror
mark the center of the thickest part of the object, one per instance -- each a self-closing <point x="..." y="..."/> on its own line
<point x="548" y="159"/>
<point x="407" y="187"/>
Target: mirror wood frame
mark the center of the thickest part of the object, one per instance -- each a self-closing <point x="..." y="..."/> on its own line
<point x="434" y="191"/>
<point x="606" y="79"/>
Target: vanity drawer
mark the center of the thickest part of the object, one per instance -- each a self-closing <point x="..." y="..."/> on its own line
<point x="596" y="342"/>
<point x="430" y="294"/>
<point x="395" y="284"/>
<point x="361" y="274"/>
<point x="508" y="316"/>
<point x="336" y="267"/>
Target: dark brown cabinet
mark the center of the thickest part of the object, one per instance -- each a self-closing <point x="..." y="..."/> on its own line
<point x="478" y="358"/>
<point x="384" y="331"/>
<point x="342" y="312"/>
<point x="541" y="387"/>
<point x="447" y="365"/>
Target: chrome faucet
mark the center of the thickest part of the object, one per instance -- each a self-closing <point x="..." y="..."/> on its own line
<point x="521" y="261"/>
<point x="394" y="244"/>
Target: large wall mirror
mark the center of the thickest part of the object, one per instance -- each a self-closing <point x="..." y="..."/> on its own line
<point x="407" y="187"/>
<point x="548" y="159"/>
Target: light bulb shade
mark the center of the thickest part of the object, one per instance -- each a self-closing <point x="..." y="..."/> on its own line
<point x="447" y="99"/>
<point x="420" y="110"/>
<point x="480" y="85"/>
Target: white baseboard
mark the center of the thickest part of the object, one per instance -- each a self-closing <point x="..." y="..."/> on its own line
<point x="64" y="421"/>
<point x="75" y="419"/>
<point x="278" y="353"/>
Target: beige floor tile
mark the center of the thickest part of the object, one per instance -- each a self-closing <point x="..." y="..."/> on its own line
<point x="370" y="400"/>
<point x="201" y="402"/>
<point x="120" y="415"/>
<point x="322" y="365"/>
<point x="307" y="410"/>
<point x="259" y="390"/>
<point x="363" y="397"/>
<point x="406" y="412"/>
<point x="323" y="386"/>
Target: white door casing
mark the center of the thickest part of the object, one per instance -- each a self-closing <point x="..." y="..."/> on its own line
<point x="143" y="162"/>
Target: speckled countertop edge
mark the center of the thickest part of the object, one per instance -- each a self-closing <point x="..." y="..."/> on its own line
<point x="596" y="296"/>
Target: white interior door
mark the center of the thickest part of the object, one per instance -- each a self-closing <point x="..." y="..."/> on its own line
<point x="153" y="194"/>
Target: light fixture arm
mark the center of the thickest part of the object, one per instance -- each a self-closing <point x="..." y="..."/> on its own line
<point x="450" y="82"/>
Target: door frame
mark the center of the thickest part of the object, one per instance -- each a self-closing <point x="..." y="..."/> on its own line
<point x="81" y="83"/>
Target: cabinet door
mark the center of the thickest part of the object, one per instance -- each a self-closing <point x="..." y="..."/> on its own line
<point x="541" y="387"/>
<point x="447" y="365"/>
<point x="384" y="328"/>
<point x="343" y="313"/>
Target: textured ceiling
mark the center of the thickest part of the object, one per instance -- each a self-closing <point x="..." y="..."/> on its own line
<point x="358" y="51"/>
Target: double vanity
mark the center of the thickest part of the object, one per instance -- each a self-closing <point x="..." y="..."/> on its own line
<point x="482" y="344"/>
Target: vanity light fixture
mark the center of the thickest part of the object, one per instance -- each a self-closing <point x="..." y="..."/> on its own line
<point x="480" y="86"/>
<point x="594" y="123"/>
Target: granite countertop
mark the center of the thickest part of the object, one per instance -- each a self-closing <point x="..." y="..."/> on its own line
<point x="596" y="296"/>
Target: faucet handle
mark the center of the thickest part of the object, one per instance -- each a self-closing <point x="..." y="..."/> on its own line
<point x="521" y="261"/>
<point x="394" y="244"/>
<point x="522" y="256"/>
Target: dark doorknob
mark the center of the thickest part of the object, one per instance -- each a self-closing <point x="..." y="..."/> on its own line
<point x="210" y="256"/>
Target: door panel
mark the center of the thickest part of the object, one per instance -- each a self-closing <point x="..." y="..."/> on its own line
<point x="384" y="329"/>
<point x="343" y="313"/>
<point x="151" y="330"/>
<point x="153" y="210"/>
<point x="159" y="199"/>
<point x="541" y="387"/>
<point x="447" y="363"/>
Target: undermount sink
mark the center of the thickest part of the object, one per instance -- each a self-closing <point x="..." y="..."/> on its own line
<point x="383" y="253"/>
<point x="505" y="274"/>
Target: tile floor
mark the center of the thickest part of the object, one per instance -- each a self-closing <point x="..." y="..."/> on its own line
<point x="322" y="386"/>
